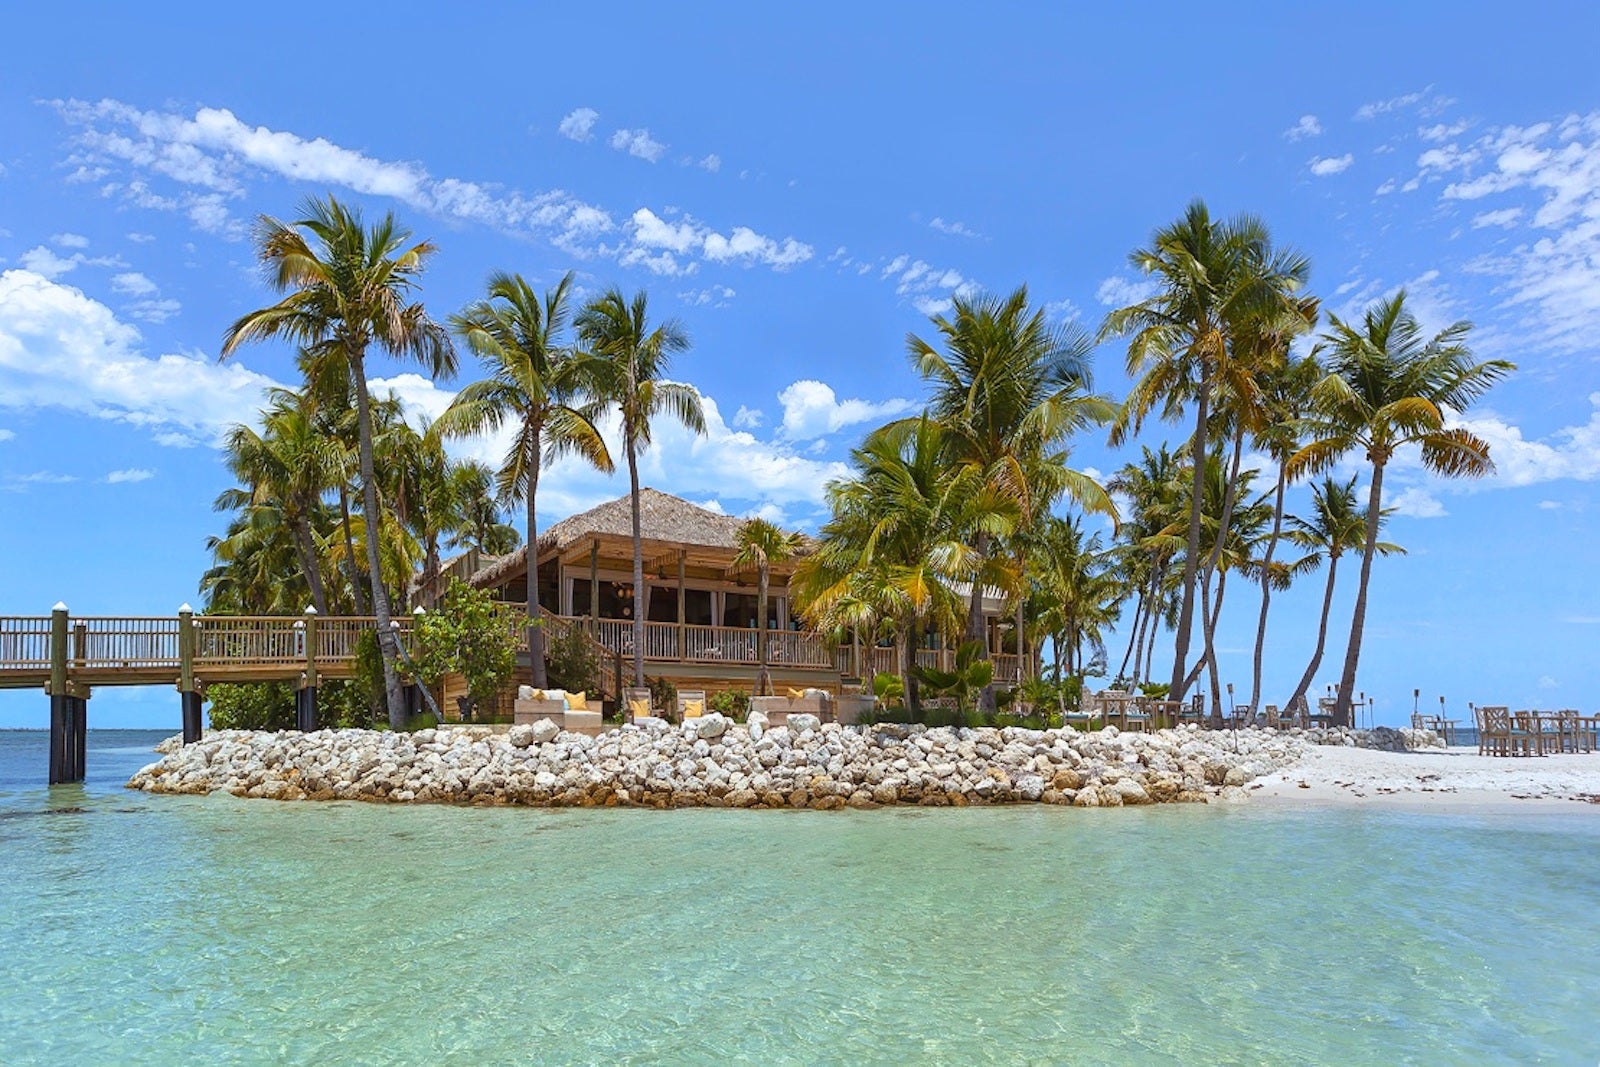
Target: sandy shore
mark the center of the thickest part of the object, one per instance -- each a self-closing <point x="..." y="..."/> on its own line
<point x="1456" y="778"/>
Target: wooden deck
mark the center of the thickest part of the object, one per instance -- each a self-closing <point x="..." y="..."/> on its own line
<point x="153" y="650"/>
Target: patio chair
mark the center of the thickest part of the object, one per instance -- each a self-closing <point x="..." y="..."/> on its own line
<point x="1494" y="730"/>
<point x="691" y="703"/>
<point x="636" y="704"/>
<point x="1583" y="729"/>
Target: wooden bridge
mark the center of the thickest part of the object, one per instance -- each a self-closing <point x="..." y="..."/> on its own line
<point x="69" y="656"/>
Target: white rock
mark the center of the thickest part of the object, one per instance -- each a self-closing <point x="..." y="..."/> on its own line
<point x="799" y="724"/>
<point x="521" y="735"/>
<point x="713" y="725"/>
<point x="544" y="730"/>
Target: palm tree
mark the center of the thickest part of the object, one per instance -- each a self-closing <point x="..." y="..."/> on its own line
<point x="1388" y="386"/>
<point x="286" y="466"/>
<point x="1287" y="396"/>
<point x="349" y="287"/>
<point x="897" y="541"/>
<point x="635" y="358"/>
<point x="473" y="486"/>
<point x="760" y="544"/>
<point x="1214" y="276"/>
<point x="1155" y="488"/>
<point x="539" y="385"/>
<point x="1336" y="526"/>
<point x="1008" y="389"/>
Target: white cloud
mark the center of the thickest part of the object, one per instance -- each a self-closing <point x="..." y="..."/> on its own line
<point x="660" y="242"/>
<point x="1506" y="217"/>
<point x="638" y="143"/>
<point x="1547" y="682"/>
<point x="811" y="409"/>
<point x="1550" y="172"/>
<point x="1394" y="103"/>
<point x="133" y="283"/>
<point x="955" y="229"/>
<point x="44" y="262"/>
<point x="1118" y="291"/>
<point x="1550" y="505"/>
<point x="579" y="124"/>
<point x="141" y="238"/>
<point x="1061" y="310"/>
<point x="1386" y="188"/>
<point x="132" y="474"/>
<point x="214" y="155"/>
<point x="61" y="349"/>
<point x="743" y="419"/>
<point x="712" y="162"/>
<point x="7" y="435"/>
<point x="20" y="483"/>
<point x="154" y="311"/>
<point x="1417" y="503"/>
<point x="69" y="240"/>
<point x="1572" y="452"/>
<point x="1308" y="126"/>
<point x="1443" y="132"/>
<point x="1323" y="166"/>
<point x="715" y="295"/>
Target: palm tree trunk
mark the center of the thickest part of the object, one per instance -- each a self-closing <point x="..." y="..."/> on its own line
<point x="307" y="550"/>
<point x="535" y="622"/>
<point x="1191" y="561"/>
<point x="638" y="569"/>
<point x="387" y="642"/>
<point x="1358" y="623"/>
<point x="1322" y="638"/>
<point x="908" y="680"/>
<point x="1155" y="632"/>
<point x="1230" y="495"/>
<point x="350" y="563"/>
<point x="1133" y="637"/>
<point x="1266" y="588"/>
<point x="1021" y="622"/>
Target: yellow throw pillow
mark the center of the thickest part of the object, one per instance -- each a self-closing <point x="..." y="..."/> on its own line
<point x="636" y="708"/>
<point x="794" y="694"/>
<point x="536" y="694"/>
<point x="693" y="709"/>
<point x="578" y="701"/>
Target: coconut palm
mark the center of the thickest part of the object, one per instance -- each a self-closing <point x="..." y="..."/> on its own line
<point x="760" y="544"/>
<point x="482" y="527"/>
<point x="1287" y="399"/>
<point x="1336" y="526"/>
<point x="1388" y="386"/>
<point x="897" y="542"/>
<point x="1008" y="389"/>
<point x="1155" y="489"/>
<point x="536" y="384"/>
<point x="1213" y="276"/>
<point x="287" y="466"/>
<point x="634" y="360"/>
<point x="349" y="288"/>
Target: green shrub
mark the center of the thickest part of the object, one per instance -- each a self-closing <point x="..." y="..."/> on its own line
<point x="571" y="663"/>
<point x="470" y="634"/>
<point x="734" y="703"/>
<point x="253" y="706"/>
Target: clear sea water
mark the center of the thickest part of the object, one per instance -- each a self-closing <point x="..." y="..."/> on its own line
<point x="168" y="930"/>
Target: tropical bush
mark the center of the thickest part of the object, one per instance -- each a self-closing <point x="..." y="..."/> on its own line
<point x="470" y="634"/>
<point x="571" y="663"/>
<point x="734" y="703"/>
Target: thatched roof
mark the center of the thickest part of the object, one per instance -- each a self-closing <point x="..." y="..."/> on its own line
<point x="663" y="519"/>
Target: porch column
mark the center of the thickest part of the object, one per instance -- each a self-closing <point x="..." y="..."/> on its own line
<point x="683" y="646"/>
<point x="594" y="586"/>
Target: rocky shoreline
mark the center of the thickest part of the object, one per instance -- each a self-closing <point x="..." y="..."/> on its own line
<point x="714" y="762"/>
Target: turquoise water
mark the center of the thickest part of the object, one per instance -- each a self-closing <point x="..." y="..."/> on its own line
<point x="168" y="930"/>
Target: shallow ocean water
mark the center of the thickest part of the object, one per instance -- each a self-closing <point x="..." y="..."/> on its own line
<point x="161" y="930"/>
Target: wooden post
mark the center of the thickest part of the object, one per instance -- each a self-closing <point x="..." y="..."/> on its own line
<point x="68" y="701"/>
<point x="594" y="587"/>
<point x="305" y="702"/>
<point x="683" y="633"/>
<point x="188" y="698"/>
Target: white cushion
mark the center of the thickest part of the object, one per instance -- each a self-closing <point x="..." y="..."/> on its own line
<point x="556" y="694"/>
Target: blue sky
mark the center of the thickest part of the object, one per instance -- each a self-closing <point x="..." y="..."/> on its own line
<point x="802" y="188"/>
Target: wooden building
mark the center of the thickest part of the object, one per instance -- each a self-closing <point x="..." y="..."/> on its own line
<point x="701" y="608"/>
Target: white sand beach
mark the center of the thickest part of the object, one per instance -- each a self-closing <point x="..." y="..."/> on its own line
<point x="1433" y="779"/>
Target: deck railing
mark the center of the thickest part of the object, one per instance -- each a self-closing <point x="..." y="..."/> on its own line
<point x="128" y="641"/>
<point x="25" y="642"/>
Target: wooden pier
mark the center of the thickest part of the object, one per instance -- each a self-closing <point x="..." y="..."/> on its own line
<point x="68" y="657"/>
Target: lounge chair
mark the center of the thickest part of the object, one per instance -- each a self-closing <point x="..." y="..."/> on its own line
<point x="691" y="703"/>
<point x="777" y="709"/>
<point x="637" y="703"/>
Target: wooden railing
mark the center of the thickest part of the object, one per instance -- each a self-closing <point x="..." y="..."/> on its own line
<point x="104" y="646"/>
<point x="794" y="649"/>
<point x="25" y="642"/>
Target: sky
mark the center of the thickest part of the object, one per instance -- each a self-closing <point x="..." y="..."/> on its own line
<point x="802" y="187"/>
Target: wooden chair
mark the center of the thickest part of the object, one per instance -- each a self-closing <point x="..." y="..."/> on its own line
<point x="1494" y="730"/>
<point x="691" y="696"/>
<point x="1194" y="711"/>
<point x="632" y="697"/>
<point x="1584" y="730"/>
